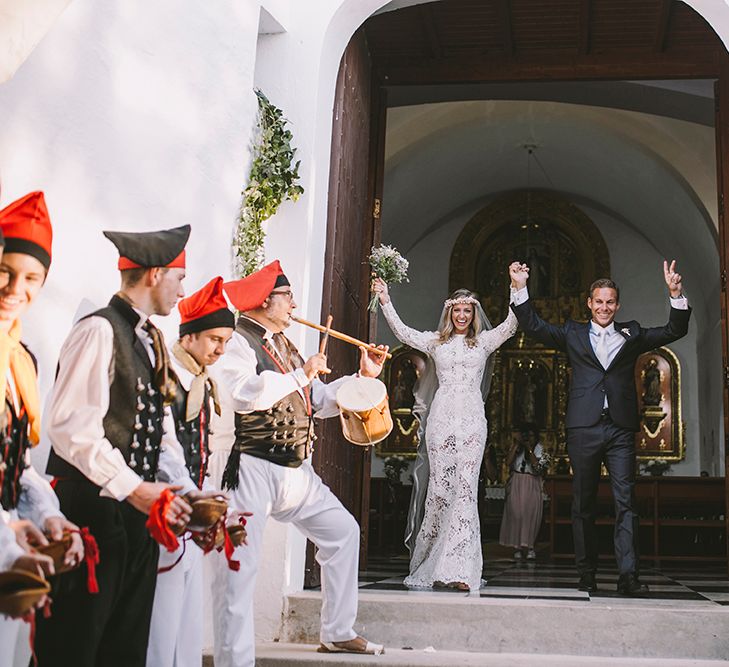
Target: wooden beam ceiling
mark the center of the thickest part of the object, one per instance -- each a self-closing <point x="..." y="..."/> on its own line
<point x="460" y="41"/>
<point x="664" y="18"/>
<point x="585" y="17"/>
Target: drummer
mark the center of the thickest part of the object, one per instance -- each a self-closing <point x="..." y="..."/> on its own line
<point x="269" y="396"/>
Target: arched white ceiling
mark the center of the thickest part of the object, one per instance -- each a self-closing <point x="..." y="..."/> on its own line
<point x="656" y="174"/>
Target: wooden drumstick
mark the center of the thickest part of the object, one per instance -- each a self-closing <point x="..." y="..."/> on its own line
<point x="340" y="336"/>
<point x="325" y="338"/>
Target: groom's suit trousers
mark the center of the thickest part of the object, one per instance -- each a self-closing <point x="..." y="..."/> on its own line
<point x="588" y="447"/>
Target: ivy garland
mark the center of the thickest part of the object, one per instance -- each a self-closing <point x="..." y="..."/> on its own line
<point x="273" y="180"/>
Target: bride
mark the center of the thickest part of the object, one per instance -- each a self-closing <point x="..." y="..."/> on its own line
<point x="450" y="404"/>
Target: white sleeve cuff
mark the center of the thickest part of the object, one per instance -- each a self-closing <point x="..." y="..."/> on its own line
<point x="121" y="485"/>
<point x="679" y="302"/>
<point x="519" y="296"/>
<point x="187" y="485"/>
<point x="301" y="378"/>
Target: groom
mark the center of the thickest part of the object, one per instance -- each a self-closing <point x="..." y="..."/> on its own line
<point x="602" y="413"/>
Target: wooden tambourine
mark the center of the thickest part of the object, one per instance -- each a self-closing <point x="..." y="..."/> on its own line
<point x="20" y="591"/>
<point x="364" y="411"/>
<point x="57" y="550"/>
<point x="206" y="512"/>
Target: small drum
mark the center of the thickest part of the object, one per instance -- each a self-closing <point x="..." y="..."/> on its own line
<point x="364" y="411"/>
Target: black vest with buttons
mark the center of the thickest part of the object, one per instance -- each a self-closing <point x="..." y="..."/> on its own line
<point x="133" y="422"/>
<point x="193" y="435"/>
<point x="14" y="444"/>
<point x="284" y="433"/>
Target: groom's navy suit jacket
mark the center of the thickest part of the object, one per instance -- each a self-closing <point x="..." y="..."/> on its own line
<point x="590" y="381"/>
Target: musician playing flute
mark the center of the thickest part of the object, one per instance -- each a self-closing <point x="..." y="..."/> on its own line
<point x="269" y="396"/>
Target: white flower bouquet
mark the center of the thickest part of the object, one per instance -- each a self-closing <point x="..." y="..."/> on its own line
<point x="389" y="265"/>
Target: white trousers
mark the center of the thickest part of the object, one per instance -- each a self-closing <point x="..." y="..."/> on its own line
<point x="14" y="633"/>
<point x="290" y="495"/>
<point x="14" y="642"/>
<point x="176" y="630"/>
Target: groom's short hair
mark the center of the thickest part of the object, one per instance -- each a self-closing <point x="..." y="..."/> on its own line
<point x="605" y="282"/>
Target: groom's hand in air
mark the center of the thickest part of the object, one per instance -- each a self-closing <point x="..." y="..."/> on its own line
<point x="519" y="274"/>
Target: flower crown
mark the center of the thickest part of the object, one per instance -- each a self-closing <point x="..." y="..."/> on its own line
<point x="461" y="299"/>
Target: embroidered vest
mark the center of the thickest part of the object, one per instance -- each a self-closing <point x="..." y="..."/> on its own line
<point x="284" y="433"/>
<point x="14" y="444"/>
<point x="193" y="435"/>
<point x="133" y="422"/>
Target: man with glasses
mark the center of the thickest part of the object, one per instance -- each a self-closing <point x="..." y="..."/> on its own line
<point x="269" y="396"/>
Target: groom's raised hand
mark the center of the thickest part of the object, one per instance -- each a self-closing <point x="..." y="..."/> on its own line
<point x="673" y="279"/>
<point x="519" y="274"/>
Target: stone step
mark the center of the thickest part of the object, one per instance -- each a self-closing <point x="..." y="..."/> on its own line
<point x="305" y="655"/>
<point x="626" y="628"/>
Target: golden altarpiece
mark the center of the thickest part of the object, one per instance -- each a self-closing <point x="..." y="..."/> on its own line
<point x="565" y="252"/>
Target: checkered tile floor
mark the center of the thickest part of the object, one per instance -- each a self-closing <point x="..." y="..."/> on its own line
<point x="699" y="585"/>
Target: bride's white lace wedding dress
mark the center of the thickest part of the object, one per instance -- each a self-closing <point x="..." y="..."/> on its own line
<point x="448" y="545"/>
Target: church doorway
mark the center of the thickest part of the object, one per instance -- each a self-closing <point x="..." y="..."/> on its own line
<point x="625" y="108"/>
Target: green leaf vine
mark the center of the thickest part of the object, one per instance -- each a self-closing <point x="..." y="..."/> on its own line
<point x="273" y="179"/>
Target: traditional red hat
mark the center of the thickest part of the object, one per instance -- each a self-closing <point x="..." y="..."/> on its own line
<point x="250" y="292"/>
<point x="26" y="226"/>
<point x="205" y="309"/>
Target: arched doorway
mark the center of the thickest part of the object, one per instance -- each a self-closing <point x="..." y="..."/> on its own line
<point x="418" y="54"/>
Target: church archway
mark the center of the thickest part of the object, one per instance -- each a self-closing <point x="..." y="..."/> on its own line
<point x="440" y="67"/>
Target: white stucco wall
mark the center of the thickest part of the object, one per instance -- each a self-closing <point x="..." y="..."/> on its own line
<point x="137" y="115"/>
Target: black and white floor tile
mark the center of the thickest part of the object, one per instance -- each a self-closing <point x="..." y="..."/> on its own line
<point x="687" y="585"/>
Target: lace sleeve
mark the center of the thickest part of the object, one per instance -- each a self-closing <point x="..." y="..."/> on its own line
<point x="420" y="340"/>
<point x="496" y="337"/>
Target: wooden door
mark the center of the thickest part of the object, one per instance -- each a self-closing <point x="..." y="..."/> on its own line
<point x="344" y="467"/>
<point x="721" y="96"/>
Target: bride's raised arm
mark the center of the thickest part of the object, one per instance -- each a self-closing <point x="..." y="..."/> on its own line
<point x="497" y="336"/>
<point x="420" y="340"/>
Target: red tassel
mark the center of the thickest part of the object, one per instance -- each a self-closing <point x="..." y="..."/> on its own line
<point x="91" y="556"/>
<point x="157" y="521"/>
<point x="229" y="549"/>
<point x="29" y="618"/>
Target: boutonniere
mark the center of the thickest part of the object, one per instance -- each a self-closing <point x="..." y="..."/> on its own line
<point x="625" y="331"/>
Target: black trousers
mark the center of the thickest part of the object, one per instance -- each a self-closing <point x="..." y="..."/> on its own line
<point x="588" y="448"/>
<point x="110" y="628"/>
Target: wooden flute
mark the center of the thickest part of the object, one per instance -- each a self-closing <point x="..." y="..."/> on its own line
<point x="340" y="336"/>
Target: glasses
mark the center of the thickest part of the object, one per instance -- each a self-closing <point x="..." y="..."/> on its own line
<point x="287" y="293"/>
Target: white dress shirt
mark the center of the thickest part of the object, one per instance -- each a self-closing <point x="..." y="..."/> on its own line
<point x="79" y="402"/>
<point x="243" y="390"/>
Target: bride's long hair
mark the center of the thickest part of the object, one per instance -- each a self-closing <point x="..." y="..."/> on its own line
<point x="478" y="324"/>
